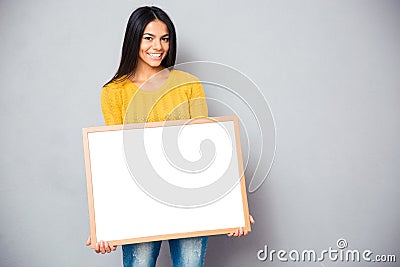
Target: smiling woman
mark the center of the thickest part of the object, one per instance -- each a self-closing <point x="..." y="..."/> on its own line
<point x="149" y="45"/>
<point x="146" y="88"/>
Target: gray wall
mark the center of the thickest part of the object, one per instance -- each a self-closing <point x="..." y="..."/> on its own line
<point x="329" y="69"/>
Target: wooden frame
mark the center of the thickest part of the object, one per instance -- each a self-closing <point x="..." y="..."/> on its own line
<point x="217" y="208"/>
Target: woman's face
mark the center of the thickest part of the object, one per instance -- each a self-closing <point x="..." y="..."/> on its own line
<point x="154" y="45"/>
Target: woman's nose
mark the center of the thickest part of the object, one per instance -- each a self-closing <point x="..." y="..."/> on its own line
<point x="157" y="44"/>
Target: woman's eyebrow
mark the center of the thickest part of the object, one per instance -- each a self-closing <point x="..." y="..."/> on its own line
<point x="147" y="33"/>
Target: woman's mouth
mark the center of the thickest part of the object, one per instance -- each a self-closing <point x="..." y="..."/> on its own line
<point x="154" y="55"/>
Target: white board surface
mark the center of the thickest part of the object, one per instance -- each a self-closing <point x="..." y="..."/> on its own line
<point x="123" y="211"/>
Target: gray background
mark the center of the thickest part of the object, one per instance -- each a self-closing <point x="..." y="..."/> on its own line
<point x="329" y="69"/>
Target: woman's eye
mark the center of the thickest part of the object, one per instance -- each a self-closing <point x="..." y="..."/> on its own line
<point x="165" y="39"/>
<point x="148" y="38"/>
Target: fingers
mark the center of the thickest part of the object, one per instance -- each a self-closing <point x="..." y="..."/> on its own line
<point x="88" y="242"/>
<point x="251" y="219"/>
<point x="236" y="233"/>
<point x="240" y="231"/>
<point x="233" y="234"/>
<point x="97" y="247"/>
<point x="107" y="247"/>
<point x="104" y="247"/>
<point x="245" y="232"/>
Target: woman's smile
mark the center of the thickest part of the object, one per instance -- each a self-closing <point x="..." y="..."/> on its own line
<point x="155" y="55"/>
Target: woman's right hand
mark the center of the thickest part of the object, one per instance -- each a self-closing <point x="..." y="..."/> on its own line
<point x="101" y="246"/>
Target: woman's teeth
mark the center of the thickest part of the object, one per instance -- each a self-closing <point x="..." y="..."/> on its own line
<point x="154" y="55"/>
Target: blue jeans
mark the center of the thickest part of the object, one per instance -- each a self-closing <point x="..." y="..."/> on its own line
<point x="188" y="252"/>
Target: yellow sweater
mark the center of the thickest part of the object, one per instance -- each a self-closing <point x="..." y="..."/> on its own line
<point x="180" y="97"/>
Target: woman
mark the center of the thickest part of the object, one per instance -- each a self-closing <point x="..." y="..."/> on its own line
<point x="131" y="96"/>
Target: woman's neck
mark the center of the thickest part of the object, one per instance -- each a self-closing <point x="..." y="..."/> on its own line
<point x="149" y="78"/>
<point x="144" y="73"/>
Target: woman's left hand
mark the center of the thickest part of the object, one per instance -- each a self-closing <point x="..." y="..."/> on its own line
<point x="240" y="231"/>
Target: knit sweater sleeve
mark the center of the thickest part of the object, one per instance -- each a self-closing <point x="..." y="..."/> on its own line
<point x="197" y="102"/>
<point x="111" y="105"/>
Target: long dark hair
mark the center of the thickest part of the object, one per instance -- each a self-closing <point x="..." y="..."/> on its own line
<point x="133" y="36"/>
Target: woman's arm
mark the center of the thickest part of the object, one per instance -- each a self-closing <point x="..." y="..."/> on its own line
<point x="197" y="101"/>
<point x="111" y="105"/>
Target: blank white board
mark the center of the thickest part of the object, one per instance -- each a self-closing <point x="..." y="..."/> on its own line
<point x="140" y="189"/>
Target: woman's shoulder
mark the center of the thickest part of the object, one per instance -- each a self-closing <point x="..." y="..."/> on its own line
<point x="115" y="85"/>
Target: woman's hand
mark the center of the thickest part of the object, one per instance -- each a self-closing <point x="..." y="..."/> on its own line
<point x="101" y="246"/>
<point x="240" y="231"/>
